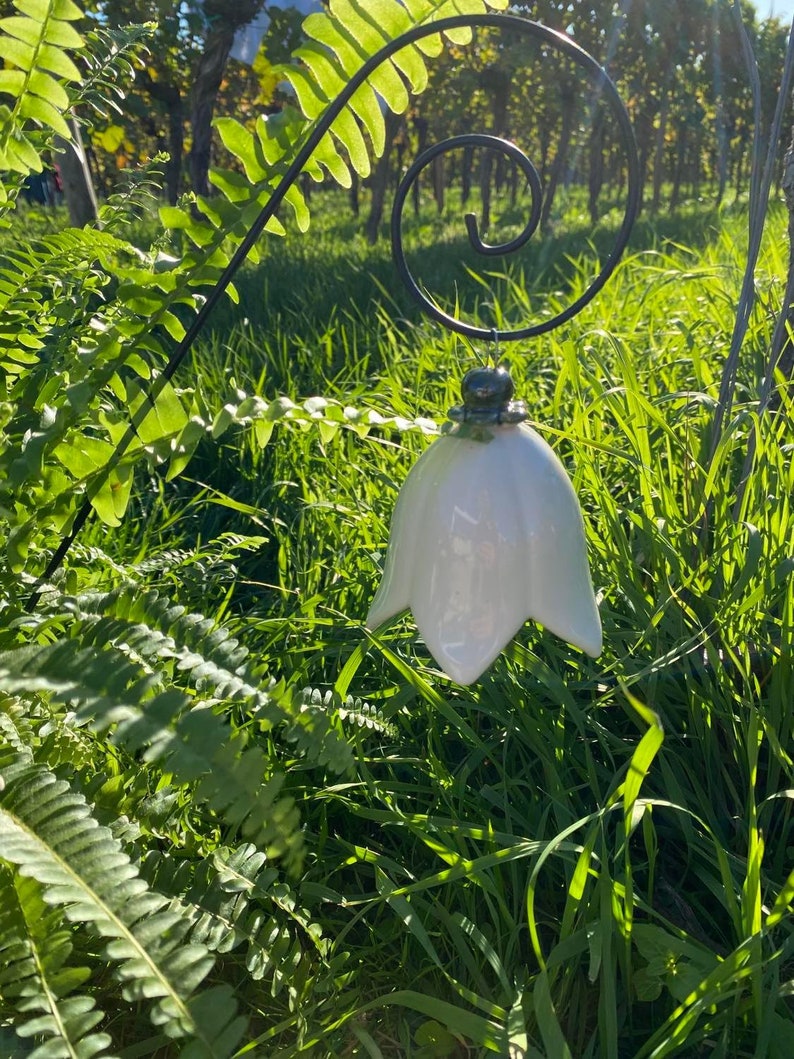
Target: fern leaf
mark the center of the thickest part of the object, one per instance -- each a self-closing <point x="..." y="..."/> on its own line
<point x="235" y="900"/>
<point x="215" y="663"/>
<point x="108" y="690"/>
<point x="338" y="44"/>
<point x="36" y="979"/>
<point x="109" y="61"/>
<point x="47" y="830"/>
<point x="37" y="42"/>
<point x="16" y="731"/>
<point x="30" y="330"/>
<point x="131" y="330"/>
<point x="350" y="709"/>
<point x="341" y="41"/>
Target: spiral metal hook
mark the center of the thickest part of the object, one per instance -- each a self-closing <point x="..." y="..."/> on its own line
<point x="471" y="139"/>
<point x="508" y="23"/>
<point x="607" y="91"/>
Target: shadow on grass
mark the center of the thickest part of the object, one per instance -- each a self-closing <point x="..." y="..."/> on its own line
<point x="308" y="279"/>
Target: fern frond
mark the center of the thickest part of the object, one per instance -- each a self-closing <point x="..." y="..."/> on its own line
<point x="340" y="42"/>
<point x="215" y="663"/>
<point x="210" y="659"/>
<point x="36" y="979"/>
<point x="36" y="42"/>
<point x="350" y="709"/>
<point x="109" y="60"/>
<point x="234" y="900"/>
<point x="35" y="281"/>
<point x="137" y="191"/>
<point x="47" y="830"/>
<point x="109" y="691"/>
<point x="16" y="731"/>
<point x="89" y="452"/>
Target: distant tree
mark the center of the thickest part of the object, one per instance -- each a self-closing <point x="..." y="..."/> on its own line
<point x="157" y="104"/>
<point x="76" y="181"/>
<point x="223" y="20"/>
<point x="186" y="71"/>
<point x="678" y="65"/>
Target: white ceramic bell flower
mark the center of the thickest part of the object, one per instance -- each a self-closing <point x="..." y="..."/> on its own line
<point x="487" y="533"/>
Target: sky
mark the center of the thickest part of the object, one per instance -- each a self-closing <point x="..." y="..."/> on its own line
<point x="784" y="9"/>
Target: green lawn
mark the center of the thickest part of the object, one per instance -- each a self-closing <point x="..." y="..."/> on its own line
<point x="591" y="852"/>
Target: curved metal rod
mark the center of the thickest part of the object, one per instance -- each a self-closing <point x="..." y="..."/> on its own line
<point x="494" y="143"/>
<point x="469" y="139"/>
<point x="318" y="130"/>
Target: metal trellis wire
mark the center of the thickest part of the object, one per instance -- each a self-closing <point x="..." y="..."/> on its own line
<point x="552" y="40"/>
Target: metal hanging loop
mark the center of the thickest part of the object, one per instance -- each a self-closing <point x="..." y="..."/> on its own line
<point x="313" y="137"/>
<point x="471" y="139"/>
<point x="604" y="89"/>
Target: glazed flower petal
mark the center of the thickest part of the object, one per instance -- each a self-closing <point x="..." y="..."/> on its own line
<point x="486" y="534"/>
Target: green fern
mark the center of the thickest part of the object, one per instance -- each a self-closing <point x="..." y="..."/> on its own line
<point x="47" y="831"/>
<point x="109" y="61"/>
<point x="351" y="710"/>
<point x="122" y="707"/>
<point x="162" y="682"/>
<point x="210" y="661"/>
<point x="339" y="43"/>
<point x="235" y="900"/>
<point x="36" y="978"/>
<point x="27" y="288"/>
<point x="36" y="42"/>
<point x="16" y="731"/>
<point x="125" y="411"/>
<point x="136" y="194"/>
<point x="108" y="690"/>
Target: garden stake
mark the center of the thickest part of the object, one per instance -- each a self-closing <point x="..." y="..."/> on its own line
<point x="487" y="531"/>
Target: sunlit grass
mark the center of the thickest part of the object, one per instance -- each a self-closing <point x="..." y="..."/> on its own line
<point x="572" y="857"/>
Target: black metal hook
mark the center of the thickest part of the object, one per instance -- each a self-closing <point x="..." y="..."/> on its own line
<point x="469" y="139"/>
<point x="608" y="91"/>
<point x="314" y="136"/>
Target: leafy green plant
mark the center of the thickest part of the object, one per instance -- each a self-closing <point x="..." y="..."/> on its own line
<point x="94" y="683"/>
<point x="37" y="42"/>
<point x="232" y="822"/>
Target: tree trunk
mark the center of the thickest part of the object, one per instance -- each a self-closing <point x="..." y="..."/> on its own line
<point x="78" y="188"/>
<point x="658" y="155"/>
<point x="439" y="183"/>
<point x="680" y="165"/>
<point x="738" y="173"/>
<point x="465" y="176"/>
<point x="723" y="144"/>
<point x="697" y="152"/>
<point x="223" y="23"/>
<point x="212" y="63"/>
<point x="596" y="168"/>
<point x="643" y="129"/>
<point x="561" y="158"/>
<point x="168" y="94"/>
<point x="486" y="168"/>
<point x="422" y="126"/>
<point x="380" y="179"/>
<point x="354" y="189"/>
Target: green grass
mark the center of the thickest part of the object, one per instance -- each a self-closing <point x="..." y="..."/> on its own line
<point x="571" y="857"/>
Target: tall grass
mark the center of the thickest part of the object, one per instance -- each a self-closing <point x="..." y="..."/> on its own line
<point x="573" y="857"/>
